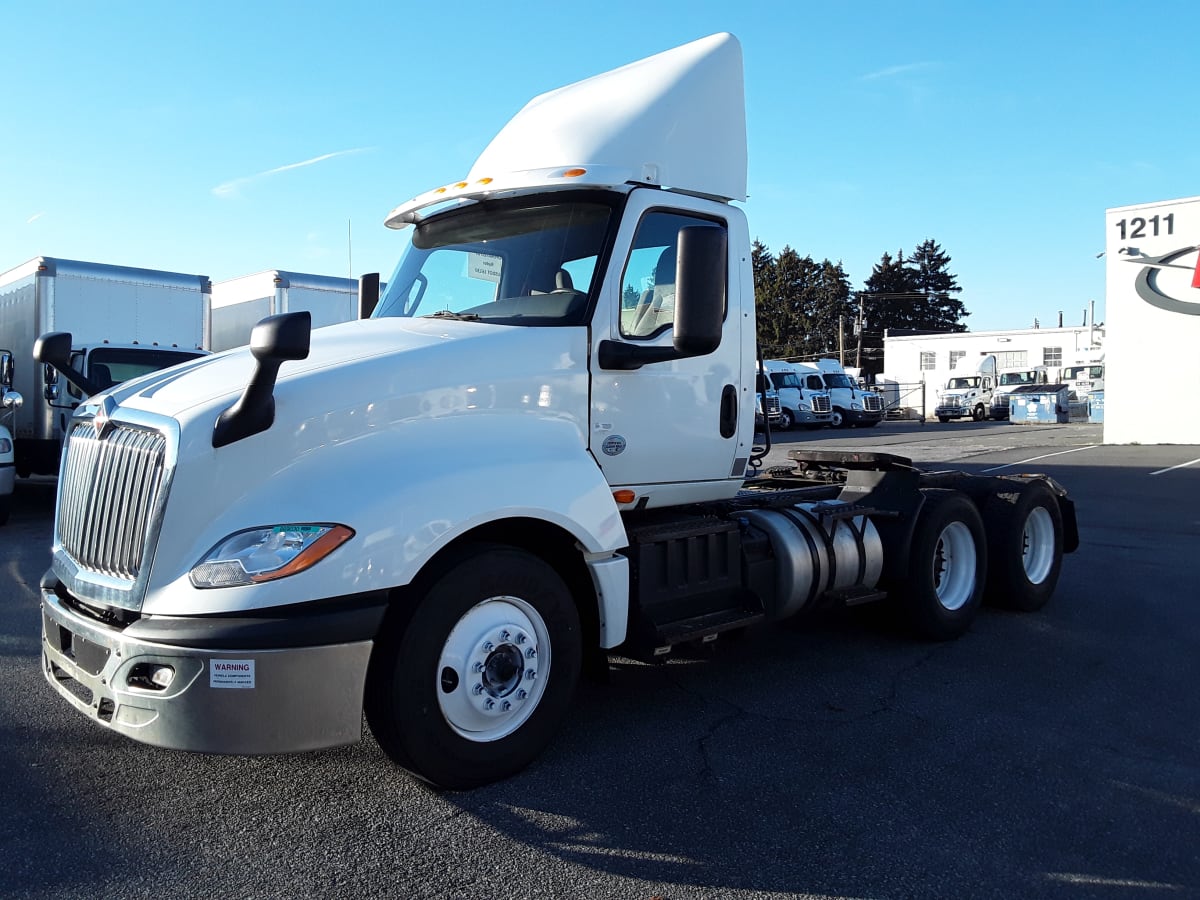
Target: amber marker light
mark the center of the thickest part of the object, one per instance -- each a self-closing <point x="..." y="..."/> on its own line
<point x="624" y="496"/>
<point x="574" y="173"/>
<point x="311" y="555"/>
<point x="484" y="181"/>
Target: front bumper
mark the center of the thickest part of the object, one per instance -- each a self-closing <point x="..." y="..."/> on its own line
<point x="954" y="412"/>
<point x="8" y="475"/>
<point x="807" y="417"/>
<point x="864" y="416"/>
<point x="234" y="689"/>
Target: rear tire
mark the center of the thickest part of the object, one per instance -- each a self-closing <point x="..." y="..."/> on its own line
<point x="1025" y="546"/>
<point x="450" y="694"/>
<point x="947" y="566"/>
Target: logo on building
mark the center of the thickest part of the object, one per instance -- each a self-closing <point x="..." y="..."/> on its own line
<point x="1164" y="280"/>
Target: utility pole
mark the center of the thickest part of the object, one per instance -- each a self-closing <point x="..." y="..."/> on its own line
<point x="859" y="330"/>
<point x="842" y="341"/>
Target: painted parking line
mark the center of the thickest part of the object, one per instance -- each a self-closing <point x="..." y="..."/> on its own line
<point x="1036" y="458"/>
<point x="1173" y="468"/>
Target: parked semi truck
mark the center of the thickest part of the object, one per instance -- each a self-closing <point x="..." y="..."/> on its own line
<point x="968" y="396"/>
<point x="1084" y="377"/>
<point x="240" y="303"/>
<point x="124" y="321"/>
<point x="853" y="405"/>
<point x="1007" y="380"/>
<point x="803" y="398"/>
<point x="442" y="514"/>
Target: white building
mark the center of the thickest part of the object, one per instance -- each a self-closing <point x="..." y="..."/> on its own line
<point x="1152" y="296"/>
<point x="927" y="357"/>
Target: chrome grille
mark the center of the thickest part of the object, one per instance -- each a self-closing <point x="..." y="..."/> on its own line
<point x="773" y="407"/>
<point x="107" y="496"/>
<point x="820" y="403"/>
<point x="872" y="402"/>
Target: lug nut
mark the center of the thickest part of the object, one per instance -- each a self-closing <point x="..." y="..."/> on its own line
<point x="488" y="646"/>
<point x="506" y="706"/>
<point x="478" y="667"/>
<point x="530" y="674"/>
<point x="504" y="635"/>
<point x="522" y="694"/>
<point x="531" y="653"/>
<point x="490" y="704"/>
<point x="477" y="690"/>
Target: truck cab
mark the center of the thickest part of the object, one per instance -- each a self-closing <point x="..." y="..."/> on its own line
<point x="803" y="398"/>
<point x="968" y="395"/>
<point x="852" y="405"/>
<point x="1083" y="378"/>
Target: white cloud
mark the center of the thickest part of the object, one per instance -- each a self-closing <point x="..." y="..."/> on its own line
<point x="893" y="71"/>
<point x="231" y="188"/>
<point x="34" y="218"/>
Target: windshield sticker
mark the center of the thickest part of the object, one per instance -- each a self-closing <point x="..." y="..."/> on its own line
<point x="483" y="267"/>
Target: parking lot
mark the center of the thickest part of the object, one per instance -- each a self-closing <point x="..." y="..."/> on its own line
<point x="1053" y="754"/>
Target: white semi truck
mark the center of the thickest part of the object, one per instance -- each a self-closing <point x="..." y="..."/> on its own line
<point x="968" y="396"/>
<point x="442" y="514"/>
<point x="852" y="405"/>
<point x="124" y="321"/>
<point x="803" y="399"/>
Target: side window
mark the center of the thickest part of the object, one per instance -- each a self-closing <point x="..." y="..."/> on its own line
<point x="648" y="283"/>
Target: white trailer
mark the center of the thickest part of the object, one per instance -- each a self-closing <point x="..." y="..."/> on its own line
<point x="241" y="303"/>
<point x="123" y="321"/>
<point x="534" y="452"/>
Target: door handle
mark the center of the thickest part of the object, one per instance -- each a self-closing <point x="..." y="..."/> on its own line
<point x="729" y="411"/>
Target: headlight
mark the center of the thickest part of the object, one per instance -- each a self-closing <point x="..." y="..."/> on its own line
<point x="264" y="554"/>
<point x="856" y="405"/>
<point x="806" y="406"/>
<point x="5" y="445"/>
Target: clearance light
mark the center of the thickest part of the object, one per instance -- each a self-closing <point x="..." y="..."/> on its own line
<point x="574" y="173"/>
<point x="440" y="190"/>
<point x="484" y="181"/>
<point x="624" y="496"/>
<point x="264" y="554"/>
<point x="461" y="184"/>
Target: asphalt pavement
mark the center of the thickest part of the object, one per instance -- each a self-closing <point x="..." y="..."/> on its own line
<point x="1053" y="754"/>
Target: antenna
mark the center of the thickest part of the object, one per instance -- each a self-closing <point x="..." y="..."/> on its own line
<point x="349" y="251"/>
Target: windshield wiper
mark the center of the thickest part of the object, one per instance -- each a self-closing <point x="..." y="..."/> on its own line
<point x="457" y="317"/>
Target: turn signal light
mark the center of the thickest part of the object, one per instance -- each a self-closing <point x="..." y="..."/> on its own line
<point x="624" y="496"/>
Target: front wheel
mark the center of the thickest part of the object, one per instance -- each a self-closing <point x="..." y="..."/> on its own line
<point x="978" y="414"/>
<point x="475" y="685"/>
<point x="947" y="566"/>
<point x="838" y="419"/>
<point x="943" y="419"/>
<point x="786" y="420"/>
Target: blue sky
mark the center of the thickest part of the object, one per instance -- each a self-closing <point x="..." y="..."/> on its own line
<point x="228" y="138"/>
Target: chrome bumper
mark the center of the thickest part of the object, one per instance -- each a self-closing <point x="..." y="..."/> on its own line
<point x="237" y="701"/>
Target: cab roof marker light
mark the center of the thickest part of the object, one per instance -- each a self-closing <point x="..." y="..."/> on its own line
<point x="574" y="173"/>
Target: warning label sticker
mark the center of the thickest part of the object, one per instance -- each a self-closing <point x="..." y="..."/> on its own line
<point x="231" y="673"/>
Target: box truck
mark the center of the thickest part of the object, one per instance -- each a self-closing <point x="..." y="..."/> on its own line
<point x="239" y="303"/>
<point x="124" y="322"/>
<point x="533" y="454"/>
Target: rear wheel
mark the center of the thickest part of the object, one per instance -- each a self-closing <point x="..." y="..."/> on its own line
<point x="475" y="685"/>
<point x="1025" y="541"/>
<point x="947" y="566"/>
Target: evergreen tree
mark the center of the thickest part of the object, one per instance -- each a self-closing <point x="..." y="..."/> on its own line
<point x="930" y="275"/>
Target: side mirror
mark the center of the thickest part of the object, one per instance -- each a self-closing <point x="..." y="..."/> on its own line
<point x="700" y="289"/>
<point x="54" y="349"/>
<point x="274" y="341"/>
<point x="12" y="400"/>
<point x="6" y="369"/>
<point x="368" y="294"/>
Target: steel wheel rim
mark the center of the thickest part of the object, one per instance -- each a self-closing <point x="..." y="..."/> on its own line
<point x="492" y="670"/>
<point x="1037" y="545"/>
<point x="954" y="561"/>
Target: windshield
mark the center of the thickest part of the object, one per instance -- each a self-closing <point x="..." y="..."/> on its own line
<point x="522" y="262"/>
<point x="839" y="381"/>
<point x="1081" y="372"/>
<point x="1017" y="378"/>
<point x="958" y="384"/>
<point x="783" y="380"/>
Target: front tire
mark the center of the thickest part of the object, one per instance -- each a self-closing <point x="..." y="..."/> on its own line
<point x="1025" y="546"/>
<point x="786" y="421"/>
<point x="838" y="419"/>
<point x="947" y="566"/>
<point x="473" y="687"/>
<point x="978" y="414"/>
<point x="943" y="419"/>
